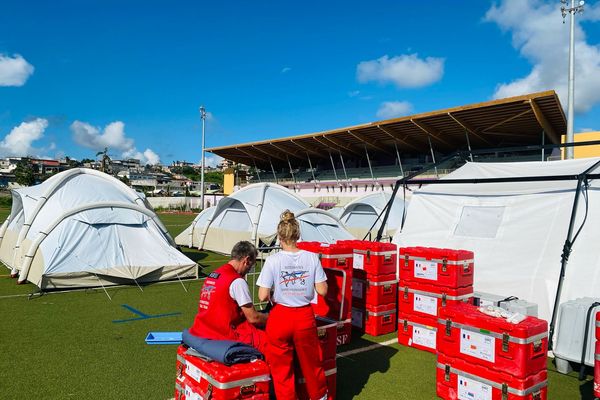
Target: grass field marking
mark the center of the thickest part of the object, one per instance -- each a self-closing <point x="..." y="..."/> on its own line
<point x="141" y="315"/>
<point x="367" y="348"/>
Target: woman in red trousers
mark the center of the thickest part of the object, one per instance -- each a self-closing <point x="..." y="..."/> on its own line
<point x="293" y="275"/>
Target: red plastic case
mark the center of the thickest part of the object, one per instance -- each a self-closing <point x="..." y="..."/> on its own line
<point x="459" y="379"/>
<point x="344" y="332"/>
<point x="376" y="290"/>
<point x="376" y="258"/>
<point x="598" y="326"/>
<point x="327" y="333"/>
<point x="442" y="267"/>
<point x="331" y="255"/>
<point x="597" y="370"/>
<point x="375" y="321"/>
<point x="417" y="332"/>
<point x="337" y="303"/>
<point x="330" y="374"/>
<point x="517" y="349"/>
<point x="210" y="379"/>
<point x="426" y="300"/>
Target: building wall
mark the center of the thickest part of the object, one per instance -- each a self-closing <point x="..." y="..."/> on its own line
<point x="228" y="181"/>
<point x="584" y="151"/>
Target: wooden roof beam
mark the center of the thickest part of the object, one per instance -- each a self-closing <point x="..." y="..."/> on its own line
<point x="431" y="131"/>
<point x="343" y="148"/>
<point x="397" y="139"/>
<point x="307" y="148"/>
<point x="287" y="152"/>
<point x="468" y="127"/>
<point x="497" y="124"/>
<point x="369" y="142"/>
<point x="541" y="118"/>
<point x="257" y="148"/>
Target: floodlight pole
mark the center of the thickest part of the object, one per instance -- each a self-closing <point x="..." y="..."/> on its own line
<point x="203" y="117"/>
<point x="571" y="91"/>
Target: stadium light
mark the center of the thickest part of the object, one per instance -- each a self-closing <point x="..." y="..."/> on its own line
<point x="574" y="9"/>
<point x="203" y="117"/>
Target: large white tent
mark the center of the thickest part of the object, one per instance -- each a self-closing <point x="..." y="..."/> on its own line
<point x="516" y="230"/>
<point x="252" y="214"/>
<point x="83" y="228"/>
<point x="361" y="214"/>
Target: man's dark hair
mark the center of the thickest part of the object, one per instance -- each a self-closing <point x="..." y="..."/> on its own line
<point x="244" y="249"/>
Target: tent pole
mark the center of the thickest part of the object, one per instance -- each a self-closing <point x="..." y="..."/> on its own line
<point x="256" y="169"/>
<point x="273" y="170"/>
<point x="399" y="160"/>
<point x="334" y="171"/>
<point x="468" y="145"/>
<point x="343" y="167"/>
<point x="369" y="162"/>
<point x="433" y="157"/>
<point x="291" y="171"/>
<point x="543" y="142"/>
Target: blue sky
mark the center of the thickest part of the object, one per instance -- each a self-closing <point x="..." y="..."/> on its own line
<point x="131" y="75"/>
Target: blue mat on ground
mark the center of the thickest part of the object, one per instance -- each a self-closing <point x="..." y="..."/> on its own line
<point x="164" y="338"/>
<point x="227" y="352"/>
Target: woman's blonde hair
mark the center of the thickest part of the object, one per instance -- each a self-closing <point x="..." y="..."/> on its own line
<point x="288" y="228"/>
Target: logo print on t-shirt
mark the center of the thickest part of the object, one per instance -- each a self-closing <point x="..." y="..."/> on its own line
<point x="293" y="278"/>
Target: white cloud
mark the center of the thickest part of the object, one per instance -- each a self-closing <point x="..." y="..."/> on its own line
<point x="353" y="93"/>
<point x="211" y="161"/>
<point x="393" y="109"/>
<point x="14" y="71"/>
<point x="285" y="69"/>
<point x="540" y="37"/>
<point x="20" y="139"/>
<point x="113" y="137"/>
<point x="405" y="71"/>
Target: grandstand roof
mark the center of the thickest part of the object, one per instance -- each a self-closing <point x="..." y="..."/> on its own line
<point x="511" y="121"/>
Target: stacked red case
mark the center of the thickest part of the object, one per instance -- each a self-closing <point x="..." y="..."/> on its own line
<point x="374" y="286"/>
<point x="375" y="321"/>
<point x="430" y="280"/>
<point x="327" y="333"/>
<point x="597" y="359"/>
<point x="330" y="374"/>
<point x="336" y="260"/>
<point x="441" y="267"/>
<point x="417" y="332"/>
<point x="200" y="379"/>
<point x="518" y="349"/>
<point x="459" y="379"/>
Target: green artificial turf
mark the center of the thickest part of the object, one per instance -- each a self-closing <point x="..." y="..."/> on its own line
<point x="66" y="345"/>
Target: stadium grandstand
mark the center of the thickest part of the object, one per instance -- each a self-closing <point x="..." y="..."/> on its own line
<point x="338" y="165"/>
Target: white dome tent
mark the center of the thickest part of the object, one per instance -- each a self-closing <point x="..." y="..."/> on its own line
<point x="84" y="228"/>
<point x="359" y="215"/>
<point x="252" y="214"/>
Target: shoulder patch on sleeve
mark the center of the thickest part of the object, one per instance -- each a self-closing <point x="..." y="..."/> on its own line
<point x="214" y="275"/>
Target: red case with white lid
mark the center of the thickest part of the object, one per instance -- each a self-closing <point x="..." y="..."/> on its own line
<point x="330" y="374"/>
<point x="211" y="379"/>
<point x="459" y="379"/>
<point x="376" y="290"/>
<point x="426" y="300"/>
<point x="517" y="349"/>
<point x="442" y="267"/>
<point x="375" y="321"/>
<point x="376" y="258"/>
<point x="417" y="332"/>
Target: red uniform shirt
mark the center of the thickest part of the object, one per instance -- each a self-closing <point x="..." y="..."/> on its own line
<point x="218" y="314"/>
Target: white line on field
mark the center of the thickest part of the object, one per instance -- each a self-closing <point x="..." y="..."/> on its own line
<point x="368" y="348"/>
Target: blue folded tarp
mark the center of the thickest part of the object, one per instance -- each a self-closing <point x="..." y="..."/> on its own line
<point x="227" y="352"/>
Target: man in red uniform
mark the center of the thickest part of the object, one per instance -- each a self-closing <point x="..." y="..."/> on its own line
<point x="225" y="308"/>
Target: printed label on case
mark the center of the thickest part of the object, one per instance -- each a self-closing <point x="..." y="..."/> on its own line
<point x="426" y="270"/>
<point x="477" y="345"/>
<point x="191" y="395"/>
<point x="357" y="289"/>
<point x="357" y="318"/>
<point x="424" y="336"/>
<point x="468" y="389"/>
<point x="425" y="304"/>
<point x="193" y="372"/>
<point x="358" y="261"/>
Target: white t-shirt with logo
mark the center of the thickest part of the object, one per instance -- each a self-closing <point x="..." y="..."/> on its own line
<point x="292" y="275"/>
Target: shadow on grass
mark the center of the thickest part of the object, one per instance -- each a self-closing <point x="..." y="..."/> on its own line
<point x="357" y="368"/>
<point x="193" y="254"/>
